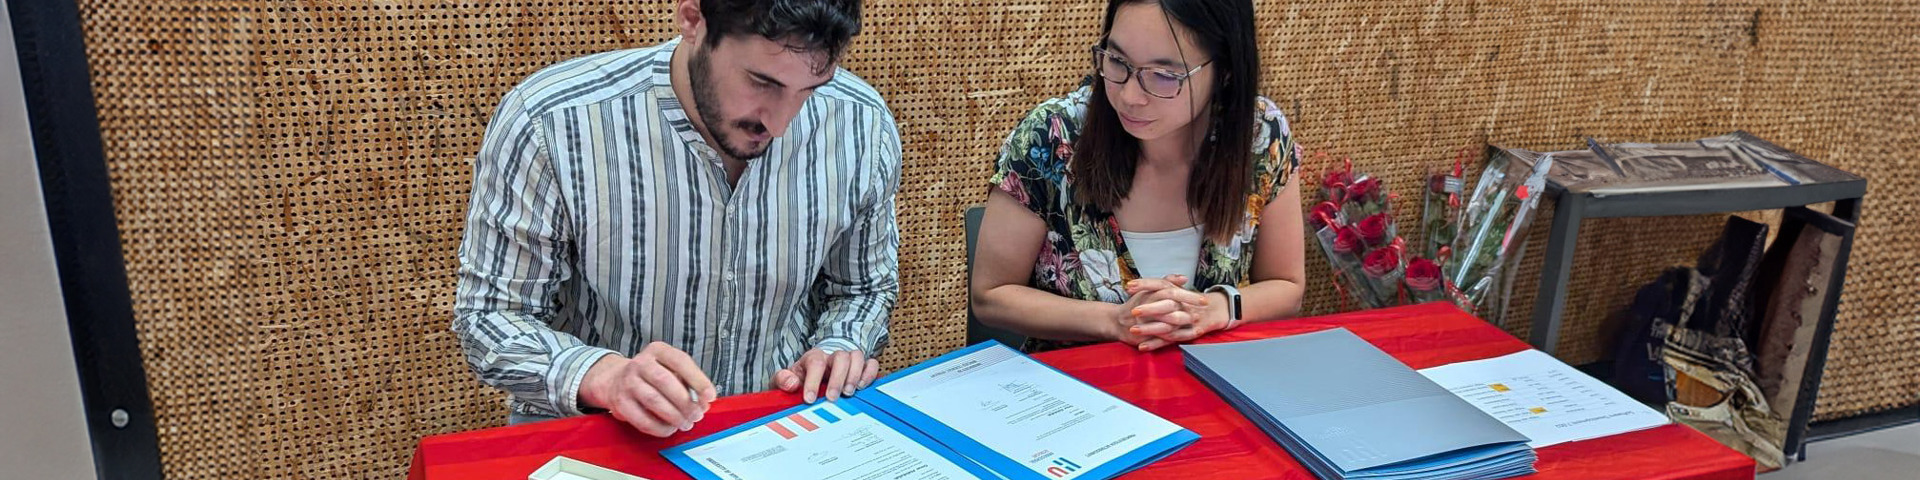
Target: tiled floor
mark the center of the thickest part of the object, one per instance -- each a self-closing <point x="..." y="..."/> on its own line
<point x="1892" y="453"/>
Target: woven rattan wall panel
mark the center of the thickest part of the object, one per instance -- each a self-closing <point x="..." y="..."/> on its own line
<point x="291" y="177"/>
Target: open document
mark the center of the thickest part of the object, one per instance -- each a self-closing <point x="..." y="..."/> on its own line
<point x="986" y="411"/>
<point x="1544" y="399"/>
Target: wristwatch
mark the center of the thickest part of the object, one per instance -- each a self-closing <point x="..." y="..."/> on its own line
<point x="1233" y="303"/>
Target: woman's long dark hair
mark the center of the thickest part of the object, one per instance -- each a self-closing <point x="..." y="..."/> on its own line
<point x="1105" y="156"/>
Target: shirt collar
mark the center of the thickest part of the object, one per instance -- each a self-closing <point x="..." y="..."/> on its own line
<point x="670" y="106"/>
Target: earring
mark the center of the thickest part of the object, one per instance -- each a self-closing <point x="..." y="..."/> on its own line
<point x="1213" y="128"/>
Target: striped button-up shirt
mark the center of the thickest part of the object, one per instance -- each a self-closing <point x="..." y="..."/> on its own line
<point x="601" y="221"/>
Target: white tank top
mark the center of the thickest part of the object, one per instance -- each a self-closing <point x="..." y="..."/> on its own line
<point x="1159" y="254"/>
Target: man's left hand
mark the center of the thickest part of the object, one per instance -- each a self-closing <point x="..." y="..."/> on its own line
<point x="844" y="372"/>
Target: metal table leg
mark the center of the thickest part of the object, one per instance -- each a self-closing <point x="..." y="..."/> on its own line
<point x="1552" y="297"/>
<point x="1847" y="210"/>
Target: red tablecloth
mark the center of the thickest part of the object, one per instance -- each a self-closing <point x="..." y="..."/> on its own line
<point x="1229" y="447"/>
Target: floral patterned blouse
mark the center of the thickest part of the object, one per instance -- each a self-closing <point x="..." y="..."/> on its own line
<point x="1084" y="256"/>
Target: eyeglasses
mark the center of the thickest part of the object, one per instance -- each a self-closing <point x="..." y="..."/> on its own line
<point x="1157" y="81"/>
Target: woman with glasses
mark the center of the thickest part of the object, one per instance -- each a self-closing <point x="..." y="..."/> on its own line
<point x="1156" y="204"/>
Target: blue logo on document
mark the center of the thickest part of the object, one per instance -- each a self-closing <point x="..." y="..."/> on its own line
<point x="1061" y="467"/>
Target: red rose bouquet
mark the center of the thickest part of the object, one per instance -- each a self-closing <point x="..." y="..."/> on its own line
<point x="1371" y="264"/>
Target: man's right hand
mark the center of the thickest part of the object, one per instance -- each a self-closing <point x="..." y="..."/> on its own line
<point x="649" y="391"/>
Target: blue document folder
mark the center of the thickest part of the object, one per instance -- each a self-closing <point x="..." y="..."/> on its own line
<point x="1020" y="419"/>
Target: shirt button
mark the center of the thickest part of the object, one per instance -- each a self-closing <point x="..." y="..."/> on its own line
<point x="729" y="277"/>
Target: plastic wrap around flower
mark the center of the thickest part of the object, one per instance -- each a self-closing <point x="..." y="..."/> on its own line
<point x="1424" y="281"/>
<point x="1383" y="275"/>
<point x="1496" y="213"/>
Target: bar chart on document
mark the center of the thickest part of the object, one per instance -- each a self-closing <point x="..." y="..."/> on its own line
<point x="1544" y="399"/>
<point x="828" y="442"/>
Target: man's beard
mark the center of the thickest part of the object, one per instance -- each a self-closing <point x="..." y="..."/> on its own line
<point x="708" y="104"/>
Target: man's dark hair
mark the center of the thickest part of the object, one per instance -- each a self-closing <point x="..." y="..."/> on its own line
<point x="814" y="26"/>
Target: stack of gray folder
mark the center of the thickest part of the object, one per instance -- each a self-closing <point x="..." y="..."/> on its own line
<point x="1348" y="410"/>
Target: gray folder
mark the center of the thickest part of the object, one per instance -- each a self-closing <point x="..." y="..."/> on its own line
<point x="1348" y="410"/>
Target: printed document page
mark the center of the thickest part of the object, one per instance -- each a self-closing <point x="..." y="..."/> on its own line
<point x="1040" y="418"/>
<point x="1544" y="399"/>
